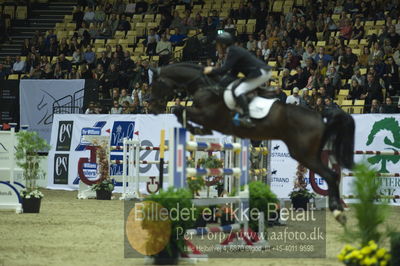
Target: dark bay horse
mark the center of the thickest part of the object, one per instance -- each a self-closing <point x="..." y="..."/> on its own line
<point x="304" y="131"/>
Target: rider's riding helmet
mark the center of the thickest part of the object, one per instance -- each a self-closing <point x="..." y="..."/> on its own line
<point x="225" y="38"/>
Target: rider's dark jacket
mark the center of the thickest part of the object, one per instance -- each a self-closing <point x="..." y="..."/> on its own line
<point x="238" y="60"/>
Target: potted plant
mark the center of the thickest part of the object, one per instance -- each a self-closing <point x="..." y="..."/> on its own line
<point x="28" y="159"/>
<point x="174" y="199"/>
<point x="371" y="212"/>
<point x="105" y="186"/>
<point x="300" y="196"/>
<point x="260" y="198"/>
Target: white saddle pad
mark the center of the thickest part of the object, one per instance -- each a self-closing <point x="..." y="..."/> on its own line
<point x="259" y="107"/>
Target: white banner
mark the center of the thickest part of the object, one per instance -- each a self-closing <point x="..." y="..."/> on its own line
<point x="374" y="132"/>
<point x="69" y="154"/>
<point x="38" y="97"/>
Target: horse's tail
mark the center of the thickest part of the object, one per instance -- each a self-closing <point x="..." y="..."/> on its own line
<point x="339" y="133"/>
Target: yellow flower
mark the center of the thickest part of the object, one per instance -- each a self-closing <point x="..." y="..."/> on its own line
<point x="373" y="245"/>
<point x="381" y="253"/>
<point x="373" y="261"/>
<point x="387" y="257"/>
<point x="348" y="247"/>
<point x="366" y="250"/>
<point x="383" y="263"/>
<point x="340" y="257"/>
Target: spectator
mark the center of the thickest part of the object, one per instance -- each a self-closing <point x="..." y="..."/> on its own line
<point x="164" y="50"/>
<point x="58" y="74"/>
<point x="19" y="66"/>
<point x="89" y="15"/>
<point x="357" y="91"/>
<point x="99" y="16"/>
<point x="393" y="37"/>
<point x="391" y="77"/>
<point x="124" y="97"/>
<point x="77" y="56"/>
<point x="92" y="109"/>
<point x="65" y="64"/>
<point x="358" y="30"/>
<point x="300" y="78"/>
<point x="116" y="109"/>
<point x="177" y="106"/>
<point x="177" y="38"/>
<point x="375" y="107"/>
<point x="374" y="90"/>
<point x="287" y="80"/>
<point x="73" y="74"/>
<point x="123" y="24"/>
<point x="153" y="36"/>
<point x="280" y="94"/>
<point x="26" y="48"/>
<point x="84" y="72"/>
<point x="350" y="57"/>
<point x="52" y="48"/>
<point x="292" y="61"/>
<point x="345" y="69"/>
<point x="64" y="48"/>
<point x="89" y="56"/>
<point x="48" y="72"/>
<point x="322" y="56"/>
<point x="3" y="72"/>
<point x="77" y="16"/>
<point x="125" y="108"/>
<point x="357" y="76"/>
<point x="251" y="43"/>
<point x="389" y="107"/>
<point x="330" y="105"/>
<point x="104" y="61"/>
<point x="130" y="8"/>
<point x="346" y="31"/>
<point x="309" y="53"/>
<point x="294" y="98"/>
<point x="112" y="78"/>
<point x="319" y="105"/>
<point x="305" y="98"/>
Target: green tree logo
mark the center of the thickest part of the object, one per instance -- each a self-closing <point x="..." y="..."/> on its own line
<point x="390" y="124"/>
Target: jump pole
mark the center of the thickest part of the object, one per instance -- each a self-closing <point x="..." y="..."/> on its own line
<point x="162" y="150"/>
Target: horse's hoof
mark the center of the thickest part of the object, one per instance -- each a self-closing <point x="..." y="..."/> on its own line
<point x="340" y="217"/>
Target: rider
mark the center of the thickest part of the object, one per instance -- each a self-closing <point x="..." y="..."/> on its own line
<point x="240" y="60"/>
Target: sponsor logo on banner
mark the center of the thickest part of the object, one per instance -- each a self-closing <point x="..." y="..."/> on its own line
<point x="391" y="126"/>
<point x="90" y="171"/>
<point x="61" y="162"/>
<point x="385" y="132"/>
<point x="64" y="135"/>
<point x="120" y="130"/>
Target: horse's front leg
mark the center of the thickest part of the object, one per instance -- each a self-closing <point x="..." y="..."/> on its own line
<point x="190" y="114"/>
<point x="196" y="115"/>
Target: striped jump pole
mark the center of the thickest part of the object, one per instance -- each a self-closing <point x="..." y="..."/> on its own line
<point x="177" y="166"/>
<point x="378" y="152"/>
<point x="377" y="174"/>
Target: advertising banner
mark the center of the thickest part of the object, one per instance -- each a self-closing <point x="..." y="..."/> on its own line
<point x="39" y="99"/>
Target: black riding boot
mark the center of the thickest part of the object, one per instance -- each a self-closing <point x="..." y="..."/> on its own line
<point x="245" y="118"/>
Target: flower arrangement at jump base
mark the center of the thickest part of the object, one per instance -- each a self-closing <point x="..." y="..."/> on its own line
<point x="196" y="183"/>
<point x="28" y="159"/>
<point x="370" y="216"/>
<point x="367" y="255"/>
<point x="300" y="195"/>
<point x="105" y="186"/>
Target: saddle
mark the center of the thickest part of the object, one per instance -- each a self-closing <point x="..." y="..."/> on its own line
<point x="259" y="107"/>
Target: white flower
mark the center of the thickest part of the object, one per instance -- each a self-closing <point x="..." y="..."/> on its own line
<point x="28" y="196"/>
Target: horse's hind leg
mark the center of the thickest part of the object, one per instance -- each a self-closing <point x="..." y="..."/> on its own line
<point x="310" y="157"/>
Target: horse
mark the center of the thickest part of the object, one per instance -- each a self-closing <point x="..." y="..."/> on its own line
<point x="304" y="131"/>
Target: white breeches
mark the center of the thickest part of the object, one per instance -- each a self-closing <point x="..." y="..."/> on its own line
<point x="251" y="84"/>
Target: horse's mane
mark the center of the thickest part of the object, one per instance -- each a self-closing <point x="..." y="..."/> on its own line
<point x="185" y="64"/>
